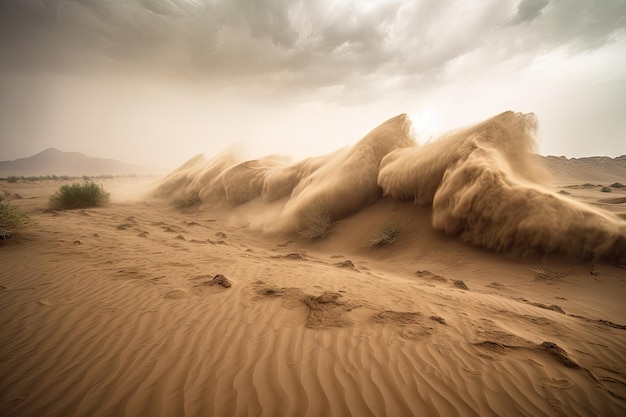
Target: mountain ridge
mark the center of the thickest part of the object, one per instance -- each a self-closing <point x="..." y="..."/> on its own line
<point x="52" y="161"/>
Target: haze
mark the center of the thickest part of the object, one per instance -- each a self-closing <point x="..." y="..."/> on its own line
<point x="155" y="82"/>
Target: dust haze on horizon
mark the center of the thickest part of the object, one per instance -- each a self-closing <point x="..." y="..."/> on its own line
<point x="155" y="82"/>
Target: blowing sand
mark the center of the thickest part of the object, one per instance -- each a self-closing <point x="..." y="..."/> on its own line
<point x="116" y="311"/>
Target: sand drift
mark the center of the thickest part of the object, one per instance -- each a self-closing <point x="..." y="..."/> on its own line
<point x="483" y="182"/>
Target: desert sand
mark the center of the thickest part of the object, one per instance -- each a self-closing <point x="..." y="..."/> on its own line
<point x="502" y="294"/>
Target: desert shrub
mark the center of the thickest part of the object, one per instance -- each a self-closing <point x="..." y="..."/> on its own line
<point x="12" y="178"/>
<point x="77" y="196"/>
<point x="606" y="190"/>
<point x="11" y="221"/>
<point x="384" y="235"/>
<point x="317" y="221"/>
<point x="617" y="185"/>
<point x="189" y="199"/>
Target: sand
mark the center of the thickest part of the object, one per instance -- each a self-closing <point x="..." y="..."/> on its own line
<point x="117" y="311"/>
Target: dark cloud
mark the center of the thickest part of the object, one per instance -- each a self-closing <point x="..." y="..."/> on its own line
<point x="293" y="44"/>
<point x="528" y="10"/>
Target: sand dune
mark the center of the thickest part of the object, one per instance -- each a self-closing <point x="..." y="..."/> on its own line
<point x="117" y="311"/>
<point x="111" y="311"/>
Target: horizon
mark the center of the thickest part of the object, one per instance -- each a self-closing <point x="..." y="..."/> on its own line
<point x="210" y="156"/>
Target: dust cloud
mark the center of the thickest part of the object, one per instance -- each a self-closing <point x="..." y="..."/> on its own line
<point x="483" y="182"/>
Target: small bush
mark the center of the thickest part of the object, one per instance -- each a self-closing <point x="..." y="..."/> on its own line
<point x="317" y="221"/>
<point x="12" y="178"/>
<point x="384" y="235"/>
<point x="191" y="198"/>
<point x="11" y="221"/>
<point x="617" y="185"/>
<point x="77" y="196"/>
<point x="606" y="190"/>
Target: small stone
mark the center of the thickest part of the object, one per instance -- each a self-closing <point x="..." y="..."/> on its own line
<point x="219" y="279"/>
<point x="438" y="319"/>
<point x="460" y="284"/>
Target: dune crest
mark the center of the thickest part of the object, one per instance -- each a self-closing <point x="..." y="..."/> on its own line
<point x="483" y="182"/>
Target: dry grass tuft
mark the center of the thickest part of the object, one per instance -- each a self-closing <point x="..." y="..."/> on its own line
<point x="317" y="221"/>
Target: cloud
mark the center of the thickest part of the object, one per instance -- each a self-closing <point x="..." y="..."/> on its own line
<point x="290" y="46"/>
<point x="528" y="10"/>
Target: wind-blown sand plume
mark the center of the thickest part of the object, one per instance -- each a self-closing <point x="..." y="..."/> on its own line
<point x="241" y="182"/>
<point x="417" y="172"/>
<point x="191" y="177"/>
<point x="174" y="185"/>
<point x="210" y="171"/>
<point x="348" y="181"/>
<point x="280" y="181"/>
<point x="487" y="205"/>
<point x="482" y="184"/>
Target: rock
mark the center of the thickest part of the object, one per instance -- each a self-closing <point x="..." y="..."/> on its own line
<point x="346" y="264"/>
<point x="460" y="284"/>
<point x="559" y="354"/>
<point x="438" y="319"/>
<point x="219" y="279"/>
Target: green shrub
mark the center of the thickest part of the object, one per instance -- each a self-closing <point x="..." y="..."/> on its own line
<point x="12" y="178"/>
<point x="617" y="185"/>
<point x="606" y="190"/>
<point x="77" y="196"/>
<point x="317" y="221"/>
<point x="11" y="221"/>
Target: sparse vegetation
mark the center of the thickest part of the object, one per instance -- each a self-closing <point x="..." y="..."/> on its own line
<point x="542" y="274"/>
<point x="12" y="219"/>
<point x="606" y="189"/>
<point x="15" y="178"/>
<point x="77" y="196"/>
<point x="191" y="198"/>
<point x="384" y="235"/>
<point x="317" y="221"/>
<point x="617" y="185"/>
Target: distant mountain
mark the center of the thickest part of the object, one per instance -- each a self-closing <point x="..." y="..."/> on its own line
<point x="55" y="162"/>
<point x="595" y="169"/>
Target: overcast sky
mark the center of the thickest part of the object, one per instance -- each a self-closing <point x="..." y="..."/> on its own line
<point x="154" y="82"/>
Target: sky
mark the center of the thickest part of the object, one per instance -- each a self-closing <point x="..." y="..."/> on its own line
<point x="155" y="82"/>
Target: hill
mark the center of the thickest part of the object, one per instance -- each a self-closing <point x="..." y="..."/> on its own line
<point x="596" y="169"/>
<point x="55" y="162"/>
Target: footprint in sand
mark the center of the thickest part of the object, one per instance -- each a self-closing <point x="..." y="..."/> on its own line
<point x="175" y="294"/>
<point x="560" y="383"/>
